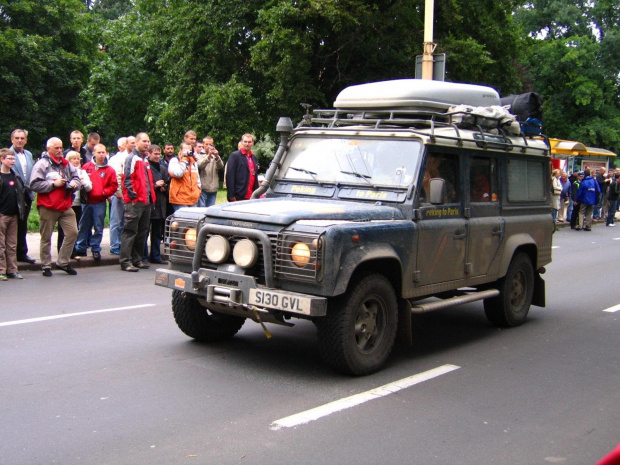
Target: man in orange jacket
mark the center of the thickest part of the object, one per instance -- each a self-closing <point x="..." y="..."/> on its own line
<point x="185" y="186"/>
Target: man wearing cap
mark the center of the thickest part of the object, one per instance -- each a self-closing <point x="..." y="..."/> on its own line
<point x="574" y="218"/>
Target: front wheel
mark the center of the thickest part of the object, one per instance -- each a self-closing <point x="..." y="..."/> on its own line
<point x="357" y="335"/>
<point x="511" y="306"/>
<point x="201" y="324"/>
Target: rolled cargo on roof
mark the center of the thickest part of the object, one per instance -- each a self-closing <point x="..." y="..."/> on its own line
<point x="415" y="94"/>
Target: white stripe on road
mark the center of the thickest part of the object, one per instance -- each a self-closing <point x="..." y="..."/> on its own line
<point x="357" y="399"/>
<point x="613" y="309"/>
<point x="67" y="315"/>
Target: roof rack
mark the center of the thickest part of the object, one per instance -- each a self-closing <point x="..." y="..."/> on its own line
<point x="416" y="120"/>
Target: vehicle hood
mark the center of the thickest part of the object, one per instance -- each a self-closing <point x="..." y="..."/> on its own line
<point x="287" y="211"/>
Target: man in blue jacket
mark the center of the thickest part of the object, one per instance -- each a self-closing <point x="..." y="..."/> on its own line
<point x="587" y="196"/>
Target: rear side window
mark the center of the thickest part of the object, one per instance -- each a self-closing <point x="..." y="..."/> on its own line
<point x="526" y="180"/>
<point x="483" y="185"/>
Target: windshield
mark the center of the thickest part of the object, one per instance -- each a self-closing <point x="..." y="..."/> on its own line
<point x="376" y="162"/>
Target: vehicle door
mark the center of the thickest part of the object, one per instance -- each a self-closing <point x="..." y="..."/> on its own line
<point x="442" y="228"/>
<point x="486" y="226"/>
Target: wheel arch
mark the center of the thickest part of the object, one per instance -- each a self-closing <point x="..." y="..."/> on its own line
<point x="530" y="249"/>
<point x="379" y="262"/>
<point x="516" y="244"/>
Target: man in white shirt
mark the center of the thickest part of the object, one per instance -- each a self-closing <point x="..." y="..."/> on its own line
<point x="23" y="167"/>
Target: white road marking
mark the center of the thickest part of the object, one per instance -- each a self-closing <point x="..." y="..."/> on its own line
<point x="357" y="399"/>
<point x="67" y="315"/>
<point x="613" y="309"/>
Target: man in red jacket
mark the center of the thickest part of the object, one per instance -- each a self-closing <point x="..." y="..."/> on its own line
<point x="139" y="196"/>
<point x="55" y="180"/>
<point x="105" y="184"/>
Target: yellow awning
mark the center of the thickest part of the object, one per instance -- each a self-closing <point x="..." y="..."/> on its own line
<point x="597" y="152"/>
<point x="570" y="148"/>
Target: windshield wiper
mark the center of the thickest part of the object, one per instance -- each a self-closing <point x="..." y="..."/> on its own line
<point x="365" y="177"/>
<point x="303" y="170"/>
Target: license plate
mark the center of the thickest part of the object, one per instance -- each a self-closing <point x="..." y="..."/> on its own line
<point x="280" y="301"/>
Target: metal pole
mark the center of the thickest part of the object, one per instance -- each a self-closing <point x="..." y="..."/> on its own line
<point x="429" y="46"/>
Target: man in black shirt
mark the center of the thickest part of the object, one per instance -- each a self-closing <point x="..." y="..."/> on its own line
<point x="11" y="209"/>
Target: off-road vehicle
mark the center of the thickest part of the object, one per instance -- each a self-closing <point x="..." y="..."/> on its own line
<point x="389" y="204"/>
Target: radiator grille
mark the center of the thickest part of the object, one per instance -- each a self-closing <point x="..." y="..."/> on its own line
<point x="174" y="242"/>
<point x="284" y="267"/>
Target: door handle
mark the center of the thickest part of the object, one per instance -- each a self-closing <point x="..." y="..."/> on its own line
<point x="459" y="235"/>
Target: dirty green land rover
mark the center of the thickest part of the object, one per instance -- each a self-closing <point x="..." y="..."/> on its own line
<point x="388" y="205"/>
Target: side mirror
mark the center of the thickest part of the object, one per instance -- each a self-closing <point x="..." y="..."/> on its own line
<point x="438" y="191"/>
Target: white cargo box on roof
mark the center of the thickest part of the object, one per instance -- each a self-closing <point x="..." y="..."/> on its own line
<point x="415" y="94"/>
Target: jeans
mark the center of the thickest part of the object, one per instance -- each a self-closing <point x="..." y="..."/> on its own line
<point x="599" y="204"/>
<point x="93" y="215"/>
<point x="117" y="222"/>
<point x="176" y="206"/>
<point x="207" y="199"/>
<point x="611" y="213"/>
<point x="22" y="228"/>
<point x="137" y="224"/>
<point x="156" y="236"/>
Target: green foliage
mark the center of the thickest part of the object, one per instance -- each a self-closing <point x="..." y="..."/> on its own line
<point x="481" y="41"/>
<point x="573" y="60"/>
<point x="124" y="81"/>
<point x="44" y="64"/>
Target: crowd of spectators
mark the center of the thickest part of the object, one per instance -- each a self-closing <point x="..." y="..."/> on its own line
<point x="138" y="186"/>
<point x="585" y="197"/>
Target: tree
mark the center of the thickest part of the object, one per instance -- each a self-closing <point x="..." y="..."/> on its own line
<point x="43" y="67"/>
<point x="573" y="59"/>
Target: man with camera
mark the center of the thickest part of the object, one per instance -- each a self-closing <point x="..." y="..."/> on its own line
<point x="185" y="187"/>
<point x="209" y="163"/>
<point x="54" y="179"/>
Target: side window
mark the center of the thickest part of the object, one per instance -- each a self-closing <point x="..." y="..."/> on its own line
<point x="483" y="184"/>
<point x="526" y="180"/>
<point x="446" y="167"/>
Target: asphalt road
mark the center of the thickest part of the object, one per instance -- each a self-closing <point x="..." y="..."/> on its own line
<point x="94" y="371"/>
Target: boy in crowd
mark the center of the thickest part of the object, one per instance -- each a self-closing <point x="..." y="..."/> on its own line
<point x="12" y="200"/>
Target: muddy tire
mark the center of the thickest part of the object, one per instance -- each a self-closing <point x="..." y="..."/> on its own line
<point x="511" y="306"/>
<point x="201" y="324"/>
<point x="358" y="333"/>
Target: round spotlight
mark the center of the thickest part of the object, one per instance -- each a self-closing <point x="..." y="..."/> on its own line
<point x="217" y="249"/>
<point x="174" y="226"/>
<point x="190" y="238"/>
<point x="300" y="254"/>
<point x="245" y="253"/>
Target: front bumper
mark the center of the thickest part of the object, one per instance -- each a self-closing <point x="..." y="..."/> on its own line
<point x="235" y="291"/>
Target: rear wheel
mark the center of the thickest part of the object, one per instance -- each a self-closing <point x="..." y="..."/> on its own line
<point x="511" y="306"/>
<point x="201" y="324"/>
<point x="357" y="335"/>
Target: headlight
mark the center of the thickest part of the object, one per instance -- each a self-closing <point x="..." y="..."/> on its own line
<point x="217" y="249"/>
<point x="300" y="254"/>
<point x="190" y="238"/>
<point x="174" y="226"/>
<point x="245" y="253"/>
